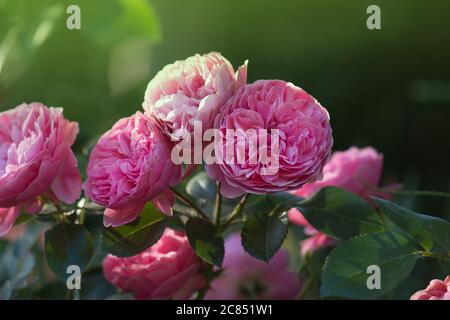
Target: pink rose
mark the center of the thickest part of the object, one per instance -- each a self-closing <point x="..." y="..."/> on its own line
<point x="167" y="270"/>
<point x="35" y="159"/>
<point x="192" y="90"/>
<point x="129" y="166"/>
<point x="436" y="290"/>
<point x="305" y="139"/>
<point x="355" y="170"/>
<point x="245" y="277"/>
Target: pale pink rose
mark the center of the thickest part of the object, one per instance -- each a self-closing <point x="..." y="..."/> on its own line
<point x="245" y="277"/>
<point x="167" y="270"/>
<point x="35" y="159"/>
<point x="192" y="90"/>
<point x="436" y="290"/>
<point x="355" y="170"/>
<point x="304" y="145"/>
<point x="129" y="166"/>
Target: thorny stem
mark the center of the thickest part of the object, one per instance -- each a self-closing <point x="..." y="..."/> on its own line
<point x="55" y="204"/>
<point x="236" y="212"/>
<point x="218" y="206"/>
<point x="405" y="192"/>
<point x="59" y="209"/>
<point x="81" y="211"/>
<point x="414" y="192"/>
<point x="306" y="287"/>
<point x="434" y="255"/>
<point x="184" y="214"/>
<point x="190" y="203"/>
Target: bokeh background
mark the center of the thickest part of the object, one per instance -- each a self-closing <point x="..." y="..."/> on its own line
<point x="388" y="88"/>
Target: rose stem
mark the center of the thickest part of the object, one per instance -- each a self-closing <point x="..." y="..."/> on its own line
<point x="237" y="211"/>
<point x="218" y="207"/>
<point x="190" y="203"/>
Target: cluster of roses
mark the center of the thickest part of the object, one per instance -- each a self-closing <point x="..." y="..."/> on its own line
<point x="131" y="165"/>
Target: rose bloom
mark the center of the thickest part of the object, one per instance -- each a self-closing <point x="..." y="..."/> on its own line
<point x="129" y="166"/>
<point x="304" y="145"/>
<point x="245" y="277"/>
<point x="436" y="290"/>
<point x="192" y="90"/>
<point x="167" y="270"/>
<point x="35" y="159"/>
<point x="355" y="170"/>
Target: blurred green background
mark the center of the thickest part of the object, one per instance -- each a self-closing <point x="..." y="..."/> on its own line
<point x="388" y="88"/>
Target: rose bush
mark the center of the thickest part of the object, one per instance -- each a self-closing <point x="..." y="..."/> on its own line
<point x="149" y="227"/>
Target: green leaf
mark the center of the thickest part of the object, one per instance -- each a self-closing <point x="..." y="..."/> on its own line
<point x="201" y="187"/>
<point x="274" y="202"/>
<point x="24" y="218"/>
<point x="17" y="259"/>
<point x="94" y="286"/>
<point x="263" y="234"/>
<point x="136" y="236"/>
<point x="202" y="190"/>
<point x="206" y="240"/>
<point x="94" y="224"/>
<point x="6" y="291"/>
<point x="340" y="213"/>
<point x="65" y="245"/>
<point x="345" y="274"/>
<point x="431" y="233"/>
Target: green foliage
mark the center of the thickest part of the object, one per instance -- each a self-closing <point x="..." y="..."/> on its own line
<point x="432" y="233"/>
<point x="17" y="262"/>
<point x="264" y="233"/>
<point x="68" y="244"/>
<point x="136" y="236"/>
<point x="206" y="240"/>
<point x="340" y="213"/>
<point x="201" y="187"/>
<point x="345" y="272"/>
<point x="395" y="252"/>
